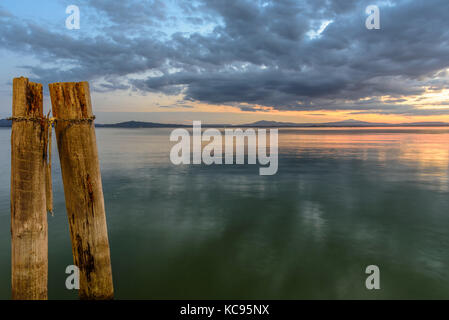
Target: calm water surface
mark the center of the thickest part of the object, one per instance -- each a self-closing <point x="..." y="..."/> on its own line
<point x="343" y="199"/>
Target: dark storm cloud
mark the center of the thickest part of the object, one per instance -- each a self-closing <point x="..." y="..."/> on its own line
<point x="83" y="58"/>
<point x="262" y="55"/>
<point x="258" y="53"/>
<point x="130" y="11"/>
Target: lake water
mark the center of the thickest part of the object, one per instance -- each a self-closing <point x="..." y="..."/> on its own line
<point x="342" y="199"/>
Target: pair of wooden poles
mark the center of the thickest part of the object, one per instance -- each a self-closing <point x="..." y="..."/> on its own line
<point x="31" y="189"/>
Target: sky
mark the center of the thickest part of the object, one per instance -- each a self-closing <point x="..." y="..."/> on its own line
<point x="235" y="61"/>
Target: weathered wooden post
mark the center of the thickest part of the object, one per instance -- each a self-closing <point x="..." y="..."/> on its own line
<point x="75" y="134"/>
<point x="29" y="235"/>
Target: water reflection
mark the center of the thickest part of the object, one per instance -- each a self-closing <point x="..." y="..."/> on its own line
<point x="342" y="199"/>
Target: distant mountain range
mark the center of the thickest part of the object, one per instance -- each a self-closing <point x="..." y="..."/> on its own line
<point x="5" y="123"/>
<point x="139" y="124"/>
<point x="345" y="123"/>
<point x="263" y="124"/>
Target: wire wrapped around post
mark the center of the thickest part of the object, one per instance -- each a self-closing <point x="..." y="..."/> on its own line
<point x="47" y="124"/>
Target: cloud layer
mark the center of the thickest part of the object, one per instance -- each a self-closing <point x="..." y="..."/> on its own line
<point x="283" y="54"/>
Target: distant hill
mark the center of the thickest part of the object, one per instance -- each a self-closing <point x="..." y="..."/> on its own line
<point x="139" y="124"/>
<point x="425" y="124"/>
<point x="5" y="123"/>
<point x="345" y="123"/>
<point x="265" y="123"/>
<point x="275" y="124"/>
<point x="261" y="124"/>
